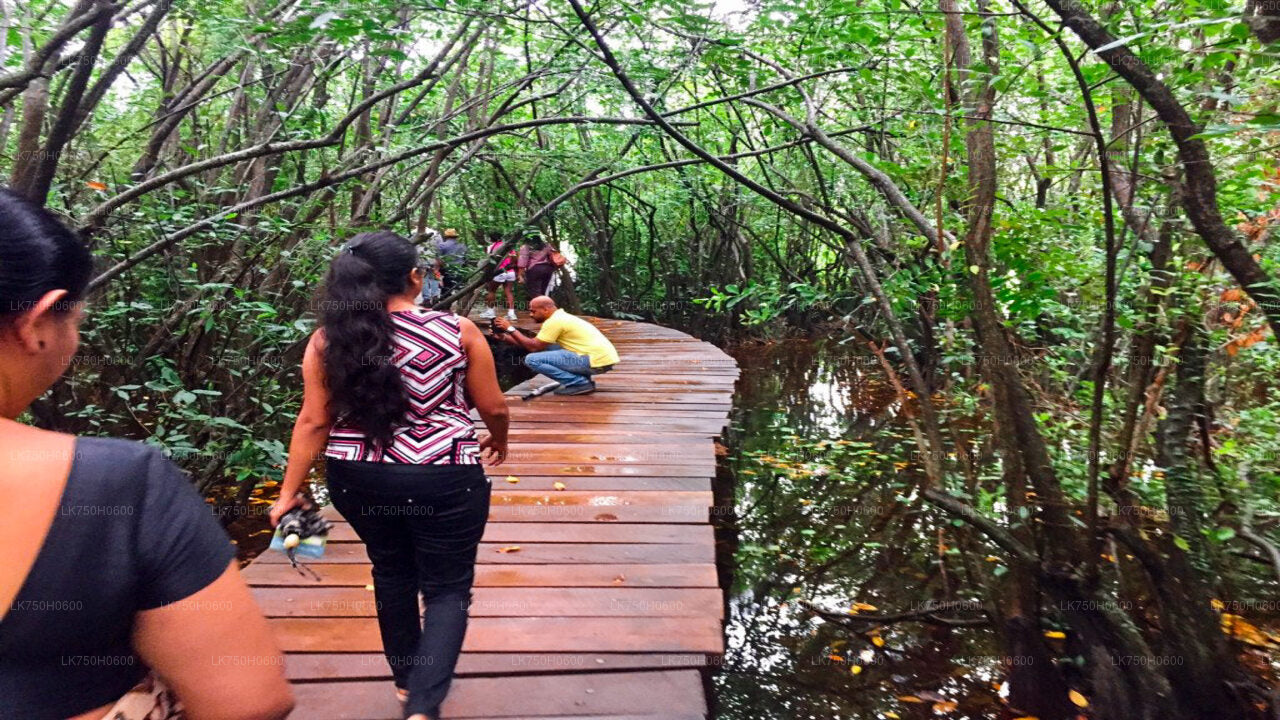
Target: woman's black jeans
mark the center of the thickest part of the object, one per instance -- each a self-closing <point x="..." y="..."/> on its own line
<point x="537" y="278"/>
<point x="421" y="525"/>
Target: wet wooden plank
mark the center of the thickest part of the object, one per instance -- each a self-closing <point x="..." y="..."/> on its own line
<point x="598" y="435"/>
<point x="543" y="553"/>
<point x="262" y="574"/>
<point x="699" y="427"/>
<point x="506" y="496"/>
<point x="586" y="467"/>
<point x="597" y="483"/>
<point x="670" y="453"/>
<point x="373" y="666"/>
<point x="517" y="634"/>
<point x="690" y="513"/>
<point x="571" y="532"/>
<point x="331" y="601"/>
<point x="666" y="694"/>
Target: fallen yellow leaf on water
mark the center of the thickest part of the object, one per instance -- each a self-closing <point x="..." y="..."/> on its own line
<point x="1055" y="634"/>
<point x="1217" y="604"/>
<point x="509" y="548"/>
<point x="909" y="699"/>
<point x="1077" y="699"/>
<point x="558" y="485"/>
<point x="891" y="715"/>
<point x="855" y="669"/>
<point x="1027" y="717"/>
<point x="513" y="479"/>
<point x="944" y="706"/>
<point x="865" y="606"/>
<point x="877" y="641"/>
<point x="837" y="658"/>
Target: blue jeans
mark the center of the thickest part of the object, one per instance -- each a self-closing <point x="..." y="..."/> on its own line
<point x="421" y="525"/>
<point x="564" y="366"/>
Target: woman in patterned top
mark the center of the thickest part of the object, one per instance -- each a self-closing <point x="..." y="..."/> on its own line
<point x="388" y="390"/>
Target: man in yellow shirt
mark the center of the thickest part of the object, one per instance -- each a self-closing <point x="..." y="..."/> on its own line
<point x="567" y="349"/>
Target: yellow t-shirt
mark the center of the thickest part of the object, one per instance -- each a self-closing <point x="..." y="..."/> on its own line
<point x="577" y="335"/>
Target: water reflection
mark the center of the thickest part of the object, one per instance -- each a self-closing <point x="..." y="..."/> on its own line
<point x="823" y="516"/>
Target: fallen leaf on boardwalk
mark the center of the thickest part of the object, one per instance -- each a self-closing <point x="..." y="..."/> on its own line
<point x="558" y="485"/>
<point x="513" y="479"/>
<point x="369" y="588"/>
<point x="509" y="548"/>
<point x="1055" y="634"/>
<point x="620" y="578"/>
<point x="1077" y="699"/>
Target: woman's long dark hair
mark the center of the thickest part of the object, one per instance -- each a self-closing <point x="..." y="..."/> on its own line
<point x="534" y="240"/>
<point x="365" y="388"/>
<point x="37" y="254"/>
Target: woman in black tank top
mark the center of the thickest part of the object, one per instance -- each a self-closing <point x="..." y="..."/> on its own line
<point x="115" y="579"/>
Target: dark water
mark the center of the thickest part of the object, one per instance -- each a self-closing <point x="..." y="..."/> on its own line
<point x="815" y="507"/>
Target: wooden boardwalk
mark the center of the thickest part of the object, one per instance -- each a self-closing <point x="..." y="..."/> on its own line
<point x="610" y="605"/>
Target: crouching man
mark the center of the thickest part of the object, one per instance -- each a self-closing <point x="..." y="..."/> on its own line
<point x="567" y="349"/>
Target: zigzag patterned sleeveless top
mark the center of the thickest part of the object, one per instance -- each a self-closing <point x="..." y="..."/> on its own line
<point x="438" y="429"/>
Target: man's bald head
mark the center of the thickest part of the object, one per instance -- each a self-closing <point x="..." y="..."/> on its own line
<point x="541" y="307"/>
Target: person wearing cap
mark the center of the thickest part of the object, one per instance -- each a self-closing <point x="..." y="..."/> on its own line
<point x="451" y="260"/>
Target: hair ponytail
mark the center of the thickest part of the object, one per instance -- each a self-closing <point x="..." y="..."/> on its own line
<point x="365" y="388"/>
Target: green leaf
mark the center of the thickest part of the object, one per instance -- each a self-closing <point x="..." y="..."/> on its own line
<point x="1223" y="534"/>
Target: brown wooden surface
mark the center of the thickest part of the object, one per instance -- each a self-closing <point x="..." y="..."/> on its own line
<point x="608" y="610"/>
<point x="517" y="634"/>
<point x="373" y="666"/>
<point x="666" y="694"/>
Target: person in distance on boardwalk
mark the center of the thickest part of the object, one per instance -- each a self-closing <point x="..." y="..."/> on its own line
<point x="567" y="349"/>
<point x="534" y="266"/>
<point x="120" y="595"/>
<point x="451" y="261"/>
<point x="505" y="277"/>
<point x="388" y="389"/>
